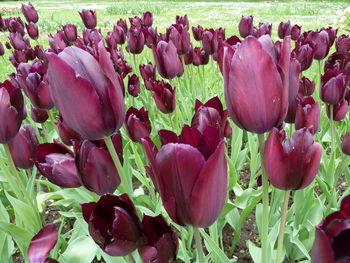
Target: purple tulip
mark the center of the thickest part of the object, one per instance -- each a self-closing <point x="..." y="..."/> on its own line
<point x="122" y="23"/>
<point x="32" y="30"/>
<point x="233" y="42"/>
<point x="294" y="164"/>
<point x="56" y="162"/>
<point x="339" y="110"/>
<point x="322" y="43"/>
<point x="135" y="22"/>
<point x="333" y="86"/>
<point x="89" y="18"/>
<point x="137" y="124"/>
<point x="292" y="110"/>
<point x="136" y="40"/>
<point x="119" y="35"/>
<point x="332" y="34"/>
<point x="123" y="69"/>
<point x="114" y="224"/>
<point x="245" y="26"/>
<point x="39" y="52"/>
<point x="249" y="82"/>
<point x="306" y="87"/>
<point x="345" y="145"/>
<point x="304" y="53"/>
<point x="342" y="44"/>
<point x="182" y="20"/>
<point x="265" y="29"/>
<point x="18" y="41"/>
<point x="338" y="61"/>
<point x="66" y="133"/>
<point x="179" y="35"/>
<point x="15" y="24"/>
<point x="190" y="173"/>
<point x="2" y="50"/>
<point x="197" y="32"/>
<point x="295" y="32"/>
<point x="30" y="13"/>
<point x="200" y="57"/>
<point x="161" y="241"/>
<point x="308" y="115"/>
<point x="148" y="73"/>
<point x="70" y="31"/>
<point x="164" y="96"/>
<point x="57" y="42"/>
<point x="284" y="29"/>
<point x="134" y="85"/>
<point x="147" y="19"/>
<point x="151" y="36"/>
<point x="208" y="41"/>
<point x="89" y="94"/>
<point x="38" y="115"/>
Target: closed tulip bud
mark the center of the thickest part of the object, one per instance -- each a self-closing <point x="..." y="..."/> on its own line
<point x="200" y="57"/>
<point x="95" y="164"/>
<point x="161" y="241"/>
<point x="2" y="50"/>
<point x="57" y="43"/>
<point x="151" y="36"/>
<point x="188" y="58"/>
<point x="89" y="18"/>
<point x="331" y="243"/>
<point x="148" y="73"/>
<point x="30" y="13"/>
<point x="70" y="32"/>
<point x="345" y="145"/>
<point x="265" y="29"/>
<point x="167" y="60"/>
<point x="308" y="115"/>
<point x="22" y="147"/>
<point x="18" y="41"/>
<point x="304" y="53"/>
<point x="56" y="162"/>
<point x="342" y="44"/>
<point x="147" y="19"/>
<point x="66" y="134"/>
<point x="134" y="85"/>
<point x="284" y="29"/>
<point x="8" y="45"/>
<point x="39" y="52"/>
<point x="38" y="115"/>
<point x="32" y="30"/>
<point x="137" y="124"/>
<point x="306" y="87"/>
<point x="245" y="26"/>
<point x="292" y="109"/>
<point x="118" y="215"/>
<point x="179" y="35"/>
<point x="332" y="34"/>
<point x="333" y="86"/>
<point x="208" y="41"/>
<point x="182" y="20"/>
<point x="294" y="164"/>
<point x="164" y="96"/>
<point x="2" y="24"/>
<point x="136" y="40"/>
<point x="339" y="110"/>
<point x="190" y="173"/>
<point x="269" y="85"/>
<point x="122" y="23"/>
<point x="197" y="32"/>
<point x="322" y="44"/>
<point x="89" y="94"/>
<point x="15" y="25"/>
<point x="295" y="32"/>
<point x="135" y="22"/>
<point x="18" y="56"/>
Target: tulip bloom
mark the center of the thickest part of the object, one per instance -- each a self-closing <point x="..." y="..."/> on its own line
<point x="151" y="36"/>
<point x="338" y="61"/>
<point x="294" y="164"/>
<point x="136" y="40"/>
<point x="164" y="96"/>
<point x="245" y="26"/>
<point x="179" y="35"/>
<point x="304" y="53"/>
<point x="295" y="32"/>
<point x="307" y="115"/>
<point x="342" y="44"/>
<point x="339" y="110"/>
<point x="333" y="86"/>
<point x="66" y="133"/>
<point x="345" y="145"/>
<point x="190" y="173"/>
<point x="161" y="241"/>
<point x="284" y="29"/>
<point x="183" y="20"/>
<point x="29" y="12"/>
<point x="32" y="30"/>
<point x="57" y="42"/>
<point x="89" y="18"/>
<point x="248" y="82"/>
<point x="265" y="29"/>
<point x="137" y="124"/>
<point x="89" y="94"/>
<point x="306" y="87"/>
<point x="148" y="73"/>
<point x="2" y="50"/>
<point x="38" y="115"/>
<point x="147" y="19"/>
<point x="114" y="224"/>
<point x="200" y="57"/>
<point x="122" y="24"/>
<point x="70" y="32"/>
<point x="208" y="41"/>
<point x="134" y="85"/>
<point x="18" y="41"/>
<point x="197" y="32"/>
<point x="332" y="240"/>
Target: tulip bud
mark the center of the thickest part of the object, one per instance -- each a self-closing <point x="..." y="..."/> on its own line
<point x="161" y="241"/>
<point x="197" y="32"/>
<point x="89" y="18"/>
<point x="164" y="96"/>
<point x="136" y="40"/>
<point x="135" y="22"/>
<point x="70" y="31"/>
<point x="18" y="41"/>
<point x="118" y="214"/>
<point x="333" y="86"/>
<point x="306" y="87"/>
<point x="200" y="57"/>
<point x="308" y="115"/>
<point x="265" y="29"/>
<point x="57" y="43"/>
<point x="119" y="35"/>
<point x="38" y="115"/>
<point x="148" y="73"/>
<point x="345" y="145"/>
<point x="137" y="124"/>
<point x="294" y="164"/>
<point x="66" y="133"/>
<point x="208" y="41"/>
<point x="39" y="52"/>
<point x="182" y="20"/>
<point x="151" y="36"/>
<point x="179" y="35"/>
<point x="56" y="162"/>
<point x="15" y="25"/>
<point x="188" y="58"/>
<point x="134" y="85"/>
<point x="123" y="25"/>
<point x="339" y="110"/>
<point x="322" y="44"/>
<point x="304" y="53"/>
<point x="292" y="109"/>
<point x="284" y="29"/>
<point x="32" y="30"/>
<point x="342" y="44"/>
<point x="30" y="13"/>
<point x="332" y="34"/>
<point x="2" y="50"/>
<point x="245" y="26"/>
<point x="147" y="19"/>
<point x="295" y="32"/>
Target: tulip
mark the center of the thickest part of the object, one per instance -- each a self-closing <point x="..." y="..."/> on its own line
<point x="306" y="87"/>
<point x="322" y="44"/>
<point x="248" y="82"/>
<point x="147" y="19"/>
<point x="331" y="243"/>
<point x="95" y="165"/>
<point x="265" y="29"/>
<point x="161" y="241"/>
<point x="190" y="173"/>
<point x="292" y="110"/>
<point x="2" y="24"/>
<point x="342" y="44"/>
<point x="136" y="40"/>
<point x="148" y="73"/>
<point x="18" y="41"/>
<point x="294" y="164"/>
<point x="245" y="26"/>
<point x="113" y="224"/>
<point x="18" y="56"/>
<point x="197" y="32"/>
<point x="57" y="43"/>
<point x="137" y="124"/>
<point x="38" y="115"/>
<point x="338" y="61"/>
<point x="232" y="42"/>
<point x="179" y="35"/>
<point x="123" y="25"/>
<point x="208" y="41"/>
<point x="39" y="52"/>
<point x="284" y="29"/>
<point x="134" y="85"/>
<point x="56" y="162"/>
<point x="167" y="60"/>
<point x="119" y="35"/>
<point x="333" y="86"/>
<point x="70" y="31"/>
<point x="295" y="32"/>
<point x="30" y="13"/>
<point x="123" y="69"/>
<point x="182" y="20"/>
<point x="66" y="133"/>
<point x="200" y="57"/>
<point x="304" y="53"/>
<point x="12" y="111"/>
<point x="307" y="115"/>
<point x="15" y="25"/>
<point x="42" y="243"/>
<point x="345" y="145"/>
<point x="164" y="96"/>
<point x="332" y="34"/>
<point x="22" y="147"/>
<point x="32" y="30"/>
<point x="339" y="110"/>
<point x="135" y="22"/>
<point x="2" y="50"/>
<point x="89" y="18"/>
<point x="188" y="58"/>
<point x="89" y="95"/>
<point x="151" y="36"/>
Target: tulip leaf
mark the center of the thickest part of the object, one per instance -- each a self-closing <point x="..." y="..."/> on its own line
<point x="80" y="250"/>
<point x="254" y="251"/>
<point x="213" y="247"/>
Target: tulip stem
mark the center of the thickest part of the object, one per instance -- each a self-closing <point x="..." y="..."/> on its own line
<point x="331" y="112"/>
<point x="131" y="259"/>
<point x="124" y="180"/>
<point x="265" y="200"/>
<point x="134" y="60"/>
<point x="52" y="119"/>
<point x="282" y="227"/>
<point x="199" y="246"/>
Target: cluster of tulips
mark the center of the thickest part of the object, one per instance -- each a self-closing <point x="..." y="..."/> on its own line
<point x="84" y="78"/>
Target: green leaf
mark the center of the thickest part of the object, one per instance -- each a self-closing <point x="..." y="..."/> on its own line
<point x="254" y="251"/>
<point x="213" y="247"/>
<point x="80" y="250"/>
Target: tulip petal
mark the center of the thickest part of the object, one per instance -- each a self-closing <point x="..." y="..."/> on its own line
<point x="8" y="115"/>
<point x="312" y="160"/>
<point x="322" y="251"/>
<point x="87" y="210"/>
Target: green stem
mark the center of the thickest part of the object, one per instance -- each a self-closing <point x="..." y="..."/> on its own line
<point x="124" y="180"/>
<point x="199" y="246"/>
<point x="265" y="199"/>
<point x="134" y="60"/>
<point x="319" y="72"/>
<point x="53" y="120"/>
<point x="331" y="112"/>
<point x="282" y="227"/>
<point x="171" y="122"/>
<point x="290" y="130"/>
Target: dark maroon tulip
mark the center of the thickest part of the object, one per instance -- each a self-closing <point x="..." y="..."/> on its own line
<point x="294" y="72"/>
<point x="66" y="133"/>
<point x="304" y="53"/>
<point x="295" y="32"/>
<point x="137" y="124"/>
<point x="332" y="238"/>
<point x="179" y="35"/>
<point x="332" y="34"/>
<point x="135" y="22"/>
<point x="123" y="69"/>
<point x="136" y="40"/>
<point x="57" y="43"/>
<point x="114" y="224"/>
<point x="89" y="94"/>
<point x="338" y="61"/>
<point x="42" y="243"/>
<point x="147" y="19"/>
<point x="2" y="24"/>
<point x="89" y="18"/>
<point x="342" y="44"/>
<point x="22" y="146"/>
<point x="294" y="164"/>
<point x="151" y="36"/>
<point x="167" y="60"/>
<point x="284" y="29"/>
<point x="122" y="23"/>
<point x="161" y="241"/>
<point x="339" y="110"/>
<point x="308" y="115"/>
<point x="12" y="111"/>
<point x="190" y="174"/>
<point x="70" y="31"/>
<point x="38" y="115"/>
<point x="148" y="73"/>
<point x="2" y="50"/>
<point x="15" y="24"/>
<point x="208" y="41"/>
<point x="134" y="85"/>
<point x="18" y="41"/>
<point x="30" y="13"/>
<point x="249" y="82"/>
<point x="245" y="26"/>
<point x="322" y="44"/>
<point x="345" y="145"/>
<point x="32" y="30"/>
<point x="119" y="35"/>
<point x="182" y="20"/>
<point x="39" y="52"/>
<point x="8" y="45"/>
<point x="18" y="56"/>
<point x="56" y="162"/>
<point x="265" y="29"/>
<point x="292" y="110"/>
<point x="333" y="86"/>
<point x="111" y="40"/>
<point x="95" y="164"/>
<point x="306" y="87"/>
<point x="188" y="58"/>
<point x="164" y="96"/>
<point x="197" y="32"/>
<point x="200" y="57"/>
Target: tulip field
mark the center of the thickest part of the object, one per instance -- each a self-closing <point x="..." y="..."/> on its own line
<point x="174" y="131"/>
